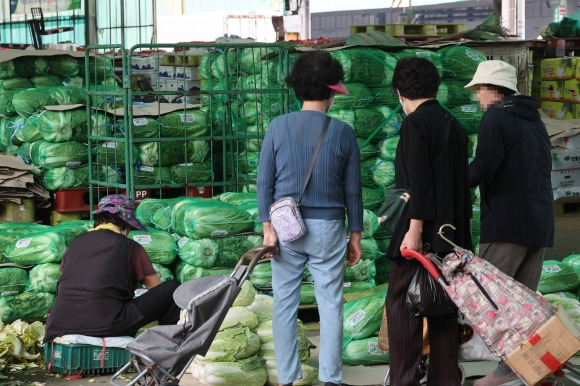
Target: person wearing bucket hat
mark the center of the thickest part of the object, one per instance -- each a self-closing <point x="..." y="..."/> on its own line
<point x="100" y="271"/>
<point x="289" y="143"/>
<point x="431" y="165"/>
<point x="512" y="168"/>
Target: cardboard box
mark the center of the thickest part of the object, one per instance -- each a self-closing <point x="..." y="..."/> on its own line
<point x="565" y="159"/>
<point x="166" y="72"/>
<point x="552" y="90"/>
<point x="547" y="350"/>
<point x="567" y="194"/>
<point x="559" y="110"/>
<point x="187" y="73"/>
<point x="565" y="178"/>
<point x="571" y="90"/>
<point x="559" y="68"/>
<point x="572" y="142"/>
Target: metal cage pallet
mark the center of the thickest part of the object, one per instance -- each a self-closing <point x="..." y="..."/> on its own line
<point x="411" y="29"/>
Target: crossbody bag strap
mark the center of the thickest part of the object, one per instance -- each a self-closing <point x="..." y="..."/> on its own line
<point x="313" y="160"/>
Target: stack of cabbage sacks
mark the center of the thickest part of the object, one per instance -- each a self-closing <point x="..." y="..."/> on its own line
<point x="50" y="138"/>
<point x="242" y="352"/>
<point x="361" y="322"/>
<point x="29" y="289"/>
<point x="172" y="161"/>
<point x="210" y="235"/>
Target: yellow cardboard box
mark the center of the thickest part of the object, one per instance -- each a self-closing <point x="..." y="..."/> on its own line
<point x="571" y="90"/>
<point x="559" y="110"/>
<point x="547" y="350"/>
<point x="552" y="90"/>
<point x="559" y="68"/>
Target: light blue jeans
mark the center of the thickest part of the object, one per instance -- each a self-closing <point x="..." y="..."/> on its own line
<point x="323" y="250"/>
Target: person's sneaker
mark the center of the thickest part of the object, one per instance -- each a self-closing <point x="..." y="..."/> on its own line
<point x="494" y="379"/>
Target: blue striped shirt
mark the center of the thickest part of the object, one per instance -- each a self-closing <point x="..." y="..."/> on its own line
<point x="335" y="183"/>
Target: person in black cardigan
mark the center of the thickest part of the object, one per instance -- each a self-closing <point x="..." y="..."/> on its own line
<point x="431" y="163"/>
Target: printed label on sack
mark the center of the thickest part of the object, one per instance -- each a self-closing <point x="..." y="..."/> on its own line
<point x="552" y="268"/>
<point x="146" y="168"/>
<point x="187" y="118"/>
<point x="110" y="144"/>
<point x="347" y="284"/>
<point x="219" y="233"/>
<point x="356" y="318"/>
<point x="472" y="55"/>
<point x="143" y="239"/>
<point x="469" y="109"/>
<point x="374" y="349"/>
<point x="23" y="243"/>
<point x="139" y="121"/>
<point x="73" y="164"/>
<point x="182" y="241"/>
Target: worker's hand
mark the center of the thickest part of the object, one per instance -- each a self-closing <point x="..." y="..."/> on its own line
<point x="270" y="238"/>
<point x="353" y="249"/>
<point x="413" y="238"/>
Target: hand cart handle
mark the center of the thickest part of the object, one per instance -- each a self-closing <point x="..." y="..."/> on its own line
<point x="424" y="260"/>
<point x="255" y="254"/>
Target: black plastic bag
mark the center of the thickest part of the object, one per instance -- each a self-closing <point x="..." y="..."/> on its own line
<point x="426" y="297"/>
<point x="392" y="209"/>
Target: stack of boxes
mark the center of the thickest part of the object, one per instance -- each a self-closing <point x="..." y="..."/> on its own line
<point x="180" y="73"/>
<point x="566" y="168"/>
<point x="560" y="87"/>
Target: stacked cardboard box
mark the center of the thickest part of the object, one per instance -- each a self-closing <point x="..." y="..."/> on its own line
<point x="560" y="87"/>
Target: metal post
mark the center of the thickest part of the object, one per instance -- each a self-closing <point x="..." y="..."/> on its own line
<point x="521" y="19"/>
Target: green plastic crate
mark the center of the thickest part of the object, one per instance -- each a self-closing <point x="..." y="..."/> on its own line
<point x="83" y="358"/>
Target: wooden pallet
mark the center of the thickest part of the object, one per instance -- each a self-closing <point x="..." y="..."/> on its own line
<point x="411" y="29"/>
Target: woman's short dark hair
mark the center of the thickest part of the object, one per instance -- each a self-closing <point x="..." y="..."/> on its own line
<point x="106" y="217"/>
<point x="416" y="78"/>
<point x="310" y="74"/>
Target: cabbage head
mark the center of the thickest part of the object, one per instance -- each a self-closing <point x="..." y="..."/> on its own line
<point x="263" y="308"/>
<point x="184" y="123"/>
<point x="191" y="172"/>
<point x="246" y="296"/>
<point x="113" y="153"/>
<point x="150" y="175"/>
<point x="30" y="65"/>
<point x="199" y="253"/>
<point x="54" y="155"/>
<point x="240" y="316"/>
<point x="26" y="306"/>
<point x="363" y="271"/>
<point x="159" y="245"/>
<point x="148" y="206"/>
<point x="248" y="372"/>
<point x="43" y="277"/>
<point x="231" y="345"/>
<point x="384" y="173"/>
<point x="363" y="352"/>
<point x="64" y="65"/>
<point x="204" y="219"/>
<point x="7" y="70"/>
<point x="65" y="178"/>
<point x="362" y="318"/>
<point x="63" y="126"/>
<point x="231" y="248"/>
<point x="557" y="276"/>
<point x="163" y="272"/>
<point x="30" y="101"/>
<point x="6" y="107"/>
<point x="13" y="279"/>
<point x="37" y="248"/>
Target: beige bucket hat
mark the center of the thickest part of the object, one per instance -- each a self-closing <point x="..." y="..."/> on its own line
<point x="496" y="72"/>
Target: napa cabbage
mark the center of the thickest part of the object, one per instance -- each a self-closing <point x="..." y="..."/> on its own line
<point x="198" y="252"/>
<point x="362" y="352"/>
<point x="30" y="101"/>
<point x="26" y="306"/>
<point x="13" y="279"/>
<point x="248" y="372"/>
<point x="557" y="276"/>
<point x="158" y="244"/>
<point x="362" y="317"/>
<point x="63" y="126"/>
<point x="246" y="296"/>
<point x="43" y="277"/>
<point x="54" y="155"/>
<point x="231" y="345"/>
<point x="191" y="172"/>
<point x="36" y="248"/>
<point x="184" y="123"/>
<point x="239" y="316"/>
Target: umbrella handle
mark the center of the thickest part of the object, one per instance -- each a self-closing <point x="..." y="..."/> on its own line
<point x="255" y="254"/>
<point x="424" y="260"/>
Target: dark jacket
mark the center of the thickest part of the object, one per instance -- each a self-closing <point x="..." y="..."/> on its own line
<point x="512" y="167"/>
<point x="431" y="163"/>
<point x="94" y="288"/>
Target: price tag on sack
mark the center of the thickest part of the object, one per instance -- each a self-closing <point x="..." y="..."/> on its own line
<point x="356" y="318"/>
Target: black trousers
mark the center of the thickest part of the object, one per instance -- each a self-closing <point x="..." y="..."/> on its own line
<point x="156" y="304"/>
<point x="406" y="336"/>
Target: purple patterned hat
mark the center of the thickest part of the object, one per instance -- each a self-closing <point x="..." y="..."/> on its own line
<point x="122" y="206"/>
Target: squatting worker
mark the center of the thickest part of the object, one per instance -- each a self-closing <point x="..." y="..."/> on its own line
<point x="512" y="167"/>
<point x="335" y="185"/>
<point x="100" y="272"/>
<point x="431" y="165"/>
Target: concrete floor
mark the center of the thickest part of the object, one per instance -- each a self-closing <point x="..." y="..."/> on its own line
<point x="567" y="242"/>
